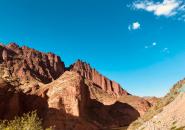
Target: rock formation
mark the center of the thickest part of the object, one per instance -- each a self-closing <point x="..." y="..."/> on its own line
<point x="74" y="98"/>
<point x="69" y="100"/>
<point x="28" y="64"/>
<point x="107" y="85"/>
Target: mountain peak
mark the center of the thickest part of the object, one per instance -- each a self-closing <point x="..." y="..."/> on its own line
<point x="86" y="71"/>
<point x="12" y="44"/>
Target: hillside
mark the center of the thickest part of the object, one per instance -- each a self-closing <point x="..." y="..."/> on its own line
<point x="166" y="114"/>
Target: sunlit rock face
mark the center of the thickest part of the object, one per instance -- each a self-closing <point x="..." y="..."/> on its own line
<point x="104" y="83"/>
<point x="68" y="93"/>
<point x="68" y="98"/>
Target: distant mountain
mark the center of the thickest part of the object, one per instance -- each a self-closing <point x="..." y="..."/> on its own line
<point x="67" y="98"/>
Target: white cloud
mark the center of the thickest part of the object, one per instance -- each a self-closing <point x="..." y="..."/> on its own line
<point x="154" y="44"/>
<point x="165" y="8"/>
<point x="134" y="26"/>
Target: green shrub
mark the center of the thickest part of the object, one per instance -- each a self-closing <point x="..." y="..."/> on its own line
<point x="29" y="121"/>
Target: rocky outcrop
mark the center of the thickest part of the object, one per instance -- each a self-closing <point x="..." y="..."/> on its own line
<point x="67" y="100"/>
<point x="28" y="64"/>
<point x="13" y="102"/>
<point x="71" y="107"/>
<point x="104" y="83"/>
<point x="152" y="100"/>
<point x="138" y="103"/>
<point x="68" y="93"/>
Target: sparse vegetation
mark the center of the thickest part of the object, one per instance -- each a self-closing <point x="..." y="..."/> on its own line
<point x="174" y="122"/>
<point x="158" y="107"/>
<point x="29" y="121"/>
<point x="181" y="128"/>
<point x="173" y="128"/>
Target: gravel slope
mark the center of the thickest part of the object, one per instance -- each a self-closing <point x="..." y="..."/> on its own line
<point x="171" y="118"/>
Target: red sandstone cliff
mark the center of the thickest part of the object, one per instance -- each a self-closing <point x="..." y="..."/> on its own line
<point x="72" y="107"/>
<point x="28" y="64"/>
<point x="103" y="82"/>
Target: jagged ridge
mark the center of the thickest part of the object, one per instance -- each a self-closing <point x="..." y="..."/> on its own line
<point x="29" y="64"/>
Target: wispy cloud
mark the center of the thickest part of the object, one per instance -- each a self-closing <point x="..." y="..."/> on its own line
<point x="167" y="8"/>
<point x="165" y="50"/>
<point x="134" y="26"/>
<point x="154" y="44"/>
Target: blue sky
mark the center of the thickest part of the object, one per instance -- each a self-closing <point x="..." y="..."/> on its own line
<point x="140" y="44"/>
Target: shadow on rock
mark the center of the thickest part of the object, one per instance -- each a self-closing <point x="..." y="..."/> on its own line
<point x="110" y="116"/>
